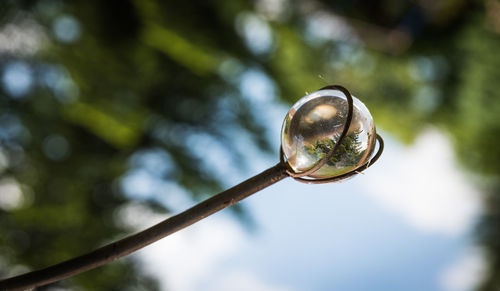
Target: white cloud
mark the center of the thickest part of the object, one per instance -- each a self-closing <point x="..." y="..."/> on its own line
<point x="423" y="184"/>
<point x="183" y="258"/>
<point x="466" y="273"/>
<point x="193" y="259"/>
<point x="243" y="281"/>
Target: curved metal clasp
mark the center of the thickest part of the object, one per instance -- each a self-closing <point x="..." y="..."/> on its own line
<point x="301" y="176"/>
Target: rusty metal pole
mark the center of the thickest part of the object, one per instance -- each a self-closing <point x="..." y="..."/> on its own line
<point x="146" y="237"/>
<point x="196" y="213"/>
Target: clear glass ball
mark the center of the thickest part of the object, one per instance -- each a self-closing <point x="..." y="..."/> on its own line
<point x="313" y="126"/>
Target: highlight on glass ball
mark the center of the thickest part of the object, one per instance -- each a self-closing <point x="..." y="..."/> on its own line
<point x="313" y="127"/>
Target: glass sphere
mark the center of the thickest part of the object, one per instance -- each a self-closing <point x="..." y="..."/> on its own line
<point x="313" y="126"/>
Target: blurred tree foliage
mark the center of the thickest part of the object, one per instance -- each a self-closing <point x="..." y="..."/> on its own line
<point x="95" y="92"/>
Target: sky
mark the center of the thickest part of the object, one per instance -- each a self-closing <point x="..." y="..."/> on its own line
<point x="404" y="224"/>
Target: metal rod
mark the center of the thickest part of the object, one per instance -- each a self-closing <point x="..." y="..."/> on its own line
<point x="139" y="240"/>
<point x="196" y="213"/>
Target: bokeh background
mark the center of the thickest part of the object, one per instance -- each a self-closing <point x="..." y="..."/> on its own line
<point x="116" y="114"/>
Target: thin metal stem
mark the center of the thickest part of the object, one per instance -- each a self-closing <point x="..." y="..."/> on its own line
<point x="196" y="213"/>
<point x="139" y="240"/>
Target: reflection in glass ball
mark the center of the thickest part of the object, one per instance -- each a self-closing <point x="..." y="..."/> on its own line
<point x="313" y="126"/>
